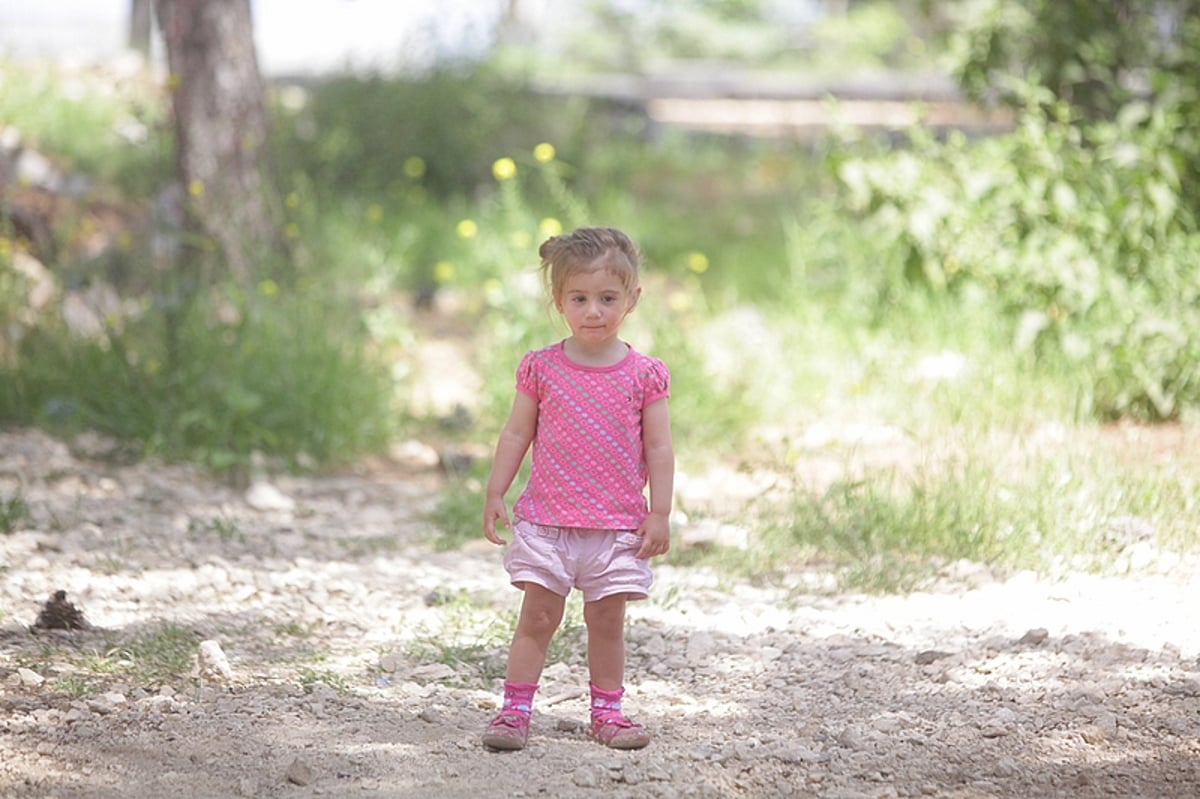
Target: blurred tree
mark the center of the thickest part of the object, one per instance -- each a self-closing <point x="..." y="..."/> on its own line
<point x="1100" y="58"/>
<point x="1095" y="56"/>
<point x="221" y="132"/>
<point x="140" y="25"/>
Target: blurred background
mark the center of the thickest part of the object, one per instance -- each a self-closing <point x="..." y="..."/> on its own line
<point x="924" y="272"/>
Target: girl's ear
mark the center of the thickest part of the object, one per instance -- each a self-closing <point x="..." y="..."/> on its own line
<point x="637" y="293"/>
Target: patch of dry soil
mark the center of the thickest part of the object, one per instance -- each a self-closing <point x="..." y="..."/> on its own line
<point x="316" y="589"/>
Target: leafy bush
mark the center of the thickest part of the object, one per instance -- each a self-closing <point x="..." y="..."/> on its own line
<point x="102" y="125"/>
<point x="284" y="376"/>
<point x="1079" y="233"/>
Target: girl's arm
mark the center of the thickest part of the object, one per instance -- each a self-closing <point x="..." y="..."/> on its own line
<point x="510" y="452"/>
<point x="660" y="464"/>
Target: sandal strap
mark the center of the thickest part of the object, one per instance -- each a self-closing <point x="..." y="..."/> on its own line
<point x="510" y="719"/>
<point x="613" y="717"/>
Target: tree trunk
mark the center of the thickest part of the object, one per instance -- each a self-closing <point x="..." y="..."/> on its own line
<point x="140" y="26"/>
<point x="221" y="131"/>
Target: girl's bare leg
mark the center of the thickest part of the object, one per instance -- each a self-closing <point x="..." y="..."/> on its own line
<point x="541" y="613"/>
<point x="605" y="620"/>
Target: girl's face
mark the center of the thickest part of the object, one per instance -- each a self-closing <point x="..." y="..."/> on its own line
<point x="594" y="304"/>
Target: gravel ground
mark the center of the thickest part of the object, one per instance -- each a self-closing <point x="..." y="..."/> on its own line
<point x="326" y="605"/>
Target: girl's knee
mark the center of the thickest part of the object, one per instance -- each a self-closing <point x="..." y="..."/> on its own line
<point x="541" y="611"/>
<point x="607" y="611"/>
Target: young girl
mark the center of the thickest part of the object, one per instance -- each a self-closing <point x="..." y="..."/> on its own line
<point x="595" y="412"/>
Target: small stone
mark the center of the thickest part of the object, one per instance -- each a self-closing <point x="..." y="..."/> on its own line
<point x="433" y="672"/>
<point x="106" y="703"/>
<point x="299" y="773"/>
<point x="29" y="678"/>
<point x="585" y="777"/>
<point x="994" y="729"/>
<point x="1188" y="687"/>
<point x="214" y="666"/>
<point x="700" y="647"/>
<point x="266" y="497"/>
<point x="928" y="656"/>
<point x="797" y="755"/>
<point x="1035" y="637"/>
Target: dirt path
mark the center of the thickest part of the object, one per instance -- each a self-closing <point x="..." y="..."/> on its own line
<point x="361" y="662"/>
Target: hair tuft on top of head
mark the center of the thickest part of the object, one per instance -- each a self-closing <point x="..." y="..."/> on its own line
<point x="586" y="249"/>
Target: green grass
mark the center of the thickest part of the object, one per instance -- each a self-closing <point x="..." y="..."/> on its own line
<point x="14" y="514"/>
<point x="310" y="678"/>
<point x="97" y="124"/>
<point x="161" y="654"/>
<point x="473" y="638"/>
<point x="1047" y="501"/>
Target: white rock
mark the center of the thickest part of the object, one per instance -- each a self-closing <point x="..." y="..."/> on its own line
<point x="266" y="497"/>
<point x="30" y="678"/>
<point x="700" y="646"/>
<point x="214" y="666"/>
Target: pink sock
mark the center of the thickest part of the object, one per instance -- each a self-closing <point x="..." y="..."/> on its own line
<point x="518" y="697"/>
<point x="605" y="702"/>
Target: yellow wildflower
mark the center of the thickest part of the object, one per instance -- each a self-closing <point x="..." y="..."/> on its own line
<point x="414" y="167"/>
<point x="504" y="169"/>
<point x="544" y="153"/>
<point x="466" y="229"/>
<point x="549" y="227"/>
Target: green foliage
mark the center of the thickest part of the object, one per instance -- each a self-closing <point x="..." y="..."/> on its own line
<point x="310" y="678"/>
<point x="872" y="35"/>
<point x="470" y="638"/>
<point x="104" y="125"/>
<point x="373" y="136"/>
<point x="280" y="375"/>
<point x="161" y="654"/>
<point x="14" y="513"/>
<point x="1086" y="246"/>
<point x="76" y="686"/>
<point x="1031" y="507"/>
<point x="1099" y="58"/>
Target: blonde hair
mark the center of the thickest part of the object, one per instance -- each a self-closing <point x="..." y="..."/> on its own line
<point x="588" y="249"/>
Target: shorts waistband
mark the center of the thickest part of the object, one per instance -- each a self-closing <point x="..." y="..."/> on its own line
<point x="555" y="528"/>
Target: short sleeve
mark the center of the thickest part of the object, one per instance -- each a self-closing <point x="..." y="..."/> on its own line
<point x="656" y="381"/>
<point x="527" y="378"/>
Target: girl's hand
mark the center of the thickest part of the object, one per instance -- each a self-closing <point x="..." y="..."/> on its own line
<point x="656" y="536"/>
<point x="494" y="512"/>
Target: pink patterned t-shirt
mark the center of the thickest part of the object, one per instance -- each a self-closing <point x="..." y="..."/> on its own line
<point x="589" y="467"/>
